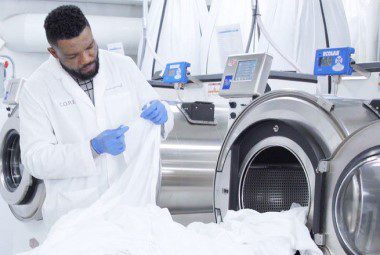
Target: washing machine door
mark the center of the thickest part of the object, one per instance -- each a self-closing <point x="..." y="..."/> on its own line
<point x="354" y="202"/>
<point x="23" y="193"/>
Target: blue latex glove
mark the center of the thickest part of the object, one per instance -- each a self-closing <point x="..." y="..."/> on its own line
<point x="155" y="112"/>
<point x="110" y="141"/>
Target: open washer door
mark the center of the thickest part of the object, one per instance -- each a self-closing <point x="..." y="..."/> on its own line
<point x="271" y="154"/>
<point x="23" y="193"/>
<point x="353" y="201"/>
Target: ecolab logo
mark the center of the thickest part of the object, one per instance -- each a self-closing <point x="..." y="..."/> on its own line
<point x="331" y="53"/>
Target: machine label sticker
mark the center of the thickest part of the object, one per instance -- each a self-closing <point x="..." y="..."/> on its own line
<point x="338" y="64"/>
<point x="331" y="53"/>
<point x="176" y="66"/>
<point x="232" y="62"/>
<point x="227" y="82"/>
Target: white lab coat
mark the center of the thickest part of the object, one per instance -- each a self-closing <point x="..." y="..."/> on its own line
<point x="58" y="120"/>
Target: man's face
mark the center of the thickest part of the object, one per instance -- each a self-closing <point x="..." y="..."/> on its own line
<point x="79" y="55"/>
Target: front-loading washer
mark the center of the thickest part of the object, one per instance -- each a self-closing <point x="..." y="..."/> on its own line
<point x="22" y="195"/>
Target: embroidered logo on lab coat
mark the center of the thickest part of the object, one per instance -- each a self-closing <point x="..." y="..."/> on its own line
<point x="67" y="103"/>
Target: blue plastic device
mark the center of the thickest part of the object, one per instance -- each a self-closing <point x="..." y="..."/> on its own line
<point x="176" y="72"/>
<point x="333" y="61"/>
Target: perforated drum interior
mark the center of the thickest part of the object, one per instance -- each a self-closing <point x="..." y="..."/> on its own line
<point x="273" y="180"/>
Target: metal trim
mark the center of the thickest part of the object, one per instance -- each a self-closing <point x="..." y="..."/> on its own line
<point x="323" y="166"/>
<point x="371" y="67"/>
<point x="344" y="178"/>
<point x="364" y="140"/>
<point x="269" y="96"/>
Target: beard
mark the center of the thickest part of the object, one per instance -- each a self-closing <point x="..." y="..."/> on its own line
<point x="78" y="74"/>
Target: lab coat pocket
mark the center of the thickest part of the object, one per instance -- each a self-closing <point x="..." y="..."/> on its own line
<point x="69" y="200"/>
<point x="119" y="106"/>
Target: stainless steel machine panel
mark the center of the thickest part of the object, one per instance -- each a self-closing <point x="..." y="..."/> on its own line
<point x="188" y="161"/>
<point x="245" y="75"/>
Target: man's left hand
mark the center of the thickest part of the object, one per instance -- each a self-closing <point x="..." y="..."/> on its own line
<point x="155" y="112"/>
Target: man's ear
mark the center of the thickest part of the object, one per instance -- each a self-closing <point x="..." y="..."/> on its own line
<point x="53" y="52"/>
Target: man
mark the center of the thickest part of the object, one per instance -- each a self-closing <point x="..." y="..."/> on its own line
<point x="74" y="111"/>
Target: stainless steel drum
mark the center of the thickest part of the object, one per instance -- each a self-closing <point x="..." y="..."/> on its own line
<point x="23" y="193"/>
<point x="274" y="154"/>
<point x="188" y="159"/>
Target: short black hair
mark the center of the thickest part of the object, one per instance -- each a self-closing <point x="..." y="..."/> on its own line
<point x="64" y="22"/>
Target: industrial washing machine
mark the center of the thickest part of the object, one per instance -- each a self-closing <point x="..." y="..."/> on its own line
<point x="189" y="155"/>
<point x="22" y="194"/>
<point x="322" y="153"/>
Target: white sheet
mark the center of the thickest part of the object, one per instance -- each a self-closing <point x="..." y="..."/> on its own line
<point x="296" y="26"/>
<point x="125" y="220"/>
<point x="363" y="20"/>
<point x="180" y="38"/>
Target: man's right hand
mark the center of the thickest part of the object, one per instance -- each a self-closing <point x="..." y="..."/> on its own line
<point x="110" y="141"/>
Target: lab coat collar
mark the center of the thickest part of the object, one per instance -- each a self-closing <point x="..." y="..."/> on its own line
<point x="72" y="87"/>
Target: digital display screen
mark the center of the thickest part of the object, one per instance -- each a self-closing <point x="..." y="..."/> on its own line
<point x="325" y="61"/>
<point x="245" y="70"/>
<point x="172" y="72"/>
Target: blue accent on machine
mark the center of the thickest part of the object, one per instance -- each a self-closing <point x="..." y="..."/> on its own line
<point x="176" y="72"/>
<point x="227" y="82"/>
<point x="333" y="61"/>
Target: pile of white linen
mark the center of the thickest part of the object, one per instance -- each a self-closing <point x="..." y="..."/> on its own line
<point x="125" y="220"/>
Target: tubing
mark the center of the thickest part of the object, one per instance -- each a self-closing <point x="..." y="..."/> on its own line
<point x="254" y="21"/>
<point x="159" y="34"/>
<point x="146" y="41"/>
<point x="275" y="46"/>
<point x="144" y="33"/>
<point x="12" y="63"/>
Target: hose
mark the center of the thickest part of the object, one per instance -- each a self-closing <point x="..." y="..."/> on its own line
<point x="146" y="42"/>
<point x="253" y="25"/>
<point x="274" y="45"/>
<point x="145" y="34"/>
<point x="327" y="41"/>
<point x="159" y="35"/>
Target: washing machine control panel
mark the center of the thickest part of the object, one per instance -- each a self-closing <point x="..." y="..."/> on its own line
<point x="245" y="75"/>
<point x="12" y="91"/>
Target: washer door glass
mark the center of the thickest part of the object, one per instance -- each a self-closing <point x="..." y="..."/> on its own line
<point x="23" y="193"/>
<point x="357" y="210"/>
<point x="11" y="158"/>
